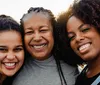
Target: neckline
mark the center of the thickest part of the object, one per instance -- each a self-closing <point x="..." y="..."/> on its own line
<point x="85" y="71"/>
<point x="50" y="61"/>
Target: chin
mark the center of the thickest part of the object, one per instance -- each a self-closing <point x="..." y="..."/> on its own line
<point x="9" y="73"/>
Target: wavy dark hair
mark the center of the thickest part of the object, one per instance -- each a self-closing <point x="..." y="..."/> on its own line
<point x="68" y="55"/>
<point x="87" y="11"/>
<point x="8" y="23"/>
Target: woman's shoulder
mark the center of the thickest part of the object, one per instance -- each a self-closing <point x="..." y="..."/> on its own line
<point x="69" y="68"/>
<point x="66" y="65"/>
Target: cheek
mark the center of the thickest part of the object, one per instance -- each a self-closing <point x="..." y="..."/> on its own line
<point x="51" y="44"/>
<point x="26" y="40"/>
<point x="50" y="36"/>
<point x="51" y="39"/>
<point x="21" y="56"/>
<point x="72" y="45"/>
<point x="2" y="56"/>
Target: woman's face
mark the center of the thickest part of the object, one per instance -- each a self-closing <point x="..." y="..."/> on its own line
<point x="11" y="52"/>
<point x="84" y="39"/>
<point x="39" y="39"/>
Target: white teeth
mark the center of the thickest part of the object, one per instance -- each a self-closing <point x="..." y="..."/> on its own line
<point x="84" y="46"/>
<point x="9" y="64"/>
<point x="38" y="47"/>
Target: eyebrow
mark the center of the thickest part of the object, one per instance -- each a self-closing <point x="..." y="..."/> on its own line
<point x="78" y="28"/>
<point x="39" y="27"/>
<point x="81" y="26"/>
<point x="28" y="28"/>
<point x="43" y="26"/>
<point x="16" y="46"/>
<point x="2" y="46"/>
<point x="19" y="46"/>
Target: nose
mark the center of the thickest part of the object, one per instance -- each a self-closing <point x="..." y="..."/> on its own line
<point x="10" y="56"/>
<point x="37" y="36"/>
<point x="79" y="37"/>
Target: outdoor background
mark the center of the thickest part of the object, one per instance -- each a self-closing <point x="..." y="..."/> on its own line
<point x="16" y="8"/>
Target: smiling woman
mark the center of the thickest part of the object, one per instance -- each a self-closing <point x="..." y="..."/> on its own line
<point x="11" y="54"/>
<point x="80" y="30"/>
<point x="43" y="63"/>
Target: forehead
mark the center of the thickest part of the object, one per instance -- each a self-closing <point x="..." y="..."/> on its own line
<point x="9" y="34"/>
<point x="12" y="37"/>
<point x="73" y="22"/>
<point x="31" y="14"/>
<point x="37" y="20"/>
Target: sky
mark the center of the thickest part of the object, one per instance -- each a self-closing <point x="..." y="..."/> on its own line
<point x="16" y="8"/>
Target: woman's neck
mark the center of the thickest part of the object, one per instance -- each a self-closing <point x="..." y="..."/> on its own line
<point x="93" y="67"/>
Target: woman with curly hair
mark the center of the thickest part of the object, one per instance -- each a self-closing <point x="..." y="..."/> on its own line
<point x="80" y="27"/>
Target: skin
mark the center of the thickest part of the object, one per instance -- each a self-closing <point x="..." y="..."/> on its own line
<point x="85" y="41"/>
<point x="11" y="52"/>
<point x="39" y="36"/>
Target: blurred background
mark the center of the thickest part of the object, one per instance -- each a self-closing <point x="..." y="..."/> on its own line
<point x="16" y="8"/>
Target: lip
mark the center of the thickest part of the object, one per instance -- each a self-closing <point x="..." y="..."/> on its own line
<point x="81" y="44"/>
<point x="9" y="65"/>
<point x="39" y="44"/>
<point x="84" y="48"/>
<point x="38" y="47"/>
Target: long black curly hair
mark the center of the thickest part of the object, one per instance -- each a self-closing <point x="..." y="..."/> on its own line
<point x="87" y="11"/>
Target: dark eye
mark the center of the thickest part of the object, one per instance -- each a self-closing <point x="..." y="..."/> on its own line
<point x="18" y="49"/>
<point x="3" y="50"/>
<point x="43" y="30"/>
<point x="71" y="38"/>
<point x="29" y="32"/>
<point x="85" y="29"/>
